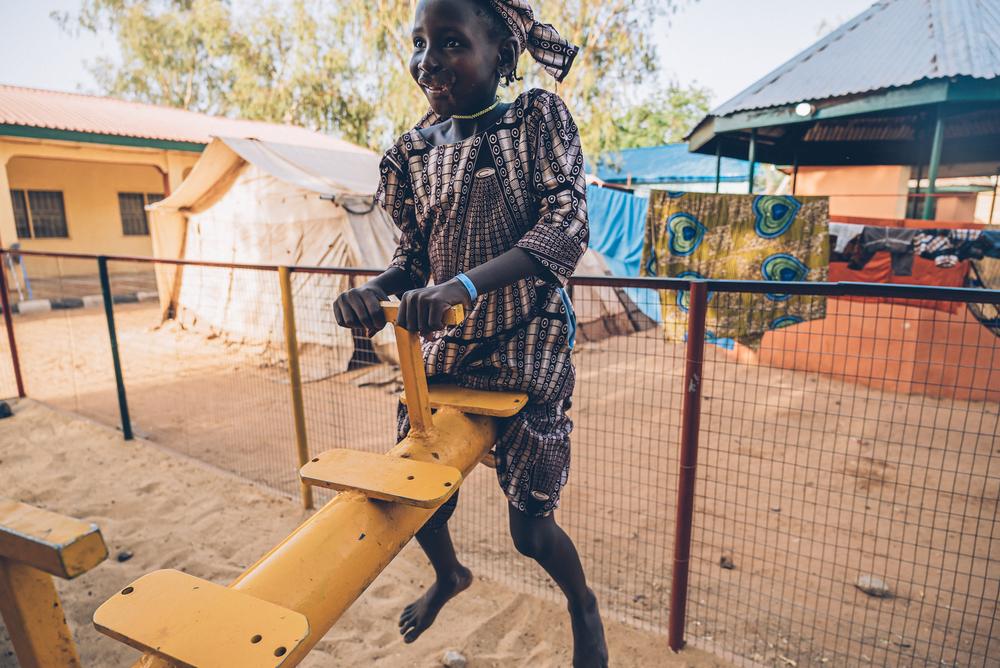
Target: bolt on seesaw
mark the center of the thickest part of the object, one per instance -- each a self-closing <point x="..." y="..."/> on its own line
<point x="276" y="611"/>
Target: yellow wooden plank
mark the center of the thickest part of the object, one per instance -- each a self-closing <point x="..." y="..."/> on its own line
<point x="453" y="316"/>
<point x="53" y="543"/>
<point x="193" y="622"/>
<point x="476" y="402"/>
<point x="382" y="477"/>
<point x="411" y="367"/>
<point x="34" y="618"/>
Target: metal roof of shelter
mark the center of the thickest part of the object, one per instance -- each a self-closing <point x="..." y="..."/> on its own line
<point x="893" y="43"/>
<point x="874" y="89"/>
<point x="46" y="114"/>
<point x="670" y="163"/>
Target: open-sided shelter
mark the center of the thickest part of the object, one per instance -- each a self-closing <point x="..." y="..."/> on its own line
<point x="910" y="83"/>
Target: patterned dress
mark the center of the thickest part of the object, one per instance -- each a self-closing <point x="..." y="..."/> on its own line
<point x="520" y="183"/>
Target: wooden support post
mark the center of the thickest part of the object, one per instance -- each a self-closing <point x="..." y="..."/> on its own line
<point x="36" y="545"/>
<point x="690" y="425"/>
<point x="34" y="618"/>
<point x="752" y="158"/>
<point x="295" y="380"/>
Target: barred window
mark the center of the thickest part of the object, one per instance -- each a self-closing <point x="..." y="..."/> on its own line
<point x="133" y="213"/>
<point x="48" y="214"/>
<point x="21" y="221"/>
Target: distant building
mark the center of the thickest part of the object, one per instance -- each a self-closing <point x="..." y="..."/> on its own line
<point x="672" y="167"/>
<point x="77" y="171"/>
<point x="898" y="101"/>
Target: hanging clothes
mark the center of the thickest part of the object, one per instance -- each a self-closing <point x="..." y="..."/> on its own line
<point x="844" y="233"/>
<point x="740" y="237"/>
<point x="989" y="241"/>
<point x="898" y="242"/>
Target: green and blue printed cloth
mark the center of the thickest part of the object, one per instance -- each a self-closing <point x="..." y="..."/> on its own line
<point x="738" y="237"/>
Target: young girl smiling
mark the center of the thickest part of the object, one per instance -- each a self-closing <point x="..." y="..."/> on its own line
<point x="490" y="199"/>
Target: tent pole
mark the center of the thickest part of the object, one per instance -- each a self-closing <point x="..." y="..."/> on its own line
<point x="752" y="157"/>
<point x="935" y="165"/>
<point x="718" y="163"/>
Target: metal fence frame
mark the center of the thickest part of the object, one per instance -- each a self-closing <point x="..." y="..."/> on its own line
<point x="693" y="377"/>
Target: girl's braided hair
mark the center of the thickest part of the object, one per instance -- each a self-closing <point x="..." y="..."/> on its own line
<point x="499" y="30"/>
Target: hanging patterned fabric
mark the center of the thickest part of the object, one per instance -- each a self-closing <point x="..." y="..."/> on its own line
<point x="738" y="237"/>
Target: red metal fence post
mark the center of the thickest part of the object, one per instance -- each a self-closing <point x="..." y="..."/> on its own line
<point x="9" y="323"/>
<point x="690" y="424"/>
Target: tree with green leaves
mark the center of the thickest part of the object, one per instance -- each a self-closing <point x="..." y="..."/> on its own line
<point x="341" y="65"/>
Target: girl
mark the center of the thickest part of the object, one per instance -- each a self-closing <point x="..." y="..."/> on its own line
<point x="490" y="199"/>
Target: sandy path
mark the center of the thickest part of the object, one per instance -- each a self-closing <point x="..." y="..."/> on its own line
<point x="176" y="513"/>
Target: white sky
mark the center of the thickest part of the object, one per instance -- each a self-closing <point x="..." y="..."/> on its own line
<point x="723" y="44"/>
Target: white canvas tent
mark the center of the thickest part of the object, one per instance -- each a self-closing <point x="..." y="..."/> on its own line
<point x="602" y="311"/>
<point x="249" y="201"/>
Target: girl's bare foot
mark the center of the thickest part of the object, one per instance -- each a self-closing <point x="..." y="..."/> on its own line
<point x="590" y="650"/>
<point x="418" y="616"/>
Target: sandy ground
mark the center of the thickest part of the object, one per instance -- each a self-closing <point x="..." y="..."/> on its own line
<point x="173" y="512"/>
<point x="804" y="483"/>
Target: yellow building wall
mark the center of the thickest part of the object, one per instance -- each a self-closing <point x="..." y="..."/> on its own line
<point x="887" y="187"/>
<point x="90" y="195"/>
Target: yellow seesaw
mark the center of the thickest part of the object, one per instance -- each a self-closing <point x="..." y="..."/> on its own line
<point x="36" y="545"/>
<point x="277" y="611"/>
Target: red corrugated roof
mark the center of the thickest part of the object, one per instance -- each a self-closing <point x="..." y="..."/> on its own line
<point x="74" y="112"/>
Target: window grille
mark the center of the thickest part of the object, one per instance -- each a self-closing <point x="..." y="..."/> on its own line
<point x="48" y="213"/>
<point x="133" y="213"/>
<point x="21" y="221"/>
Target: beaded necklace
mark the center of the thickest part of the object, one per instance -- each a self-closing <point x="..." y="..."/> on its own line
<point x="469" y="117"/>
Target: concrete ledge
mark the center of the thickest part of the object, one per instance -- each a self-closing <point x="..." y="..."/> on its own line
<point x="33" y="306"/>
<point x="88" y="301"/>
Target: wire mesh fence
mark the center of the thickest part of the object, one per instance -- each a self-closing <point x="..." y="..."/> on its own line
<point x="849" y="517"/>
<point x="849" y="467"/>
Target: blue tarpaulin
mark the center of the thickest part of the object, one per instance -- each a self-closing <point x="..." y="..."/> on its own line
<point x="617" y="231"/>
<point x="671" y="163"/>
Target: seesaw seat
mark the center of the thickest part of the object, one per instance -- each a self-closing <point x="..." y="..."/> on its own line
<point x="413" y="483"/>
<point x="193" y="622"/>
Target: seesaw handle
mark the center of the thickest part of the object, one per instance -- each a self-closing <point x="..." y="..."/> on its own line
<point x="453" y="316"/>
<point x="411" y="365"/>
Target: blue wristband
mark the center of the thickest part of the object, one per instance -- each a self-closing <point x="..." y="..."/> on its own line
<point x="469" y="285"/>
